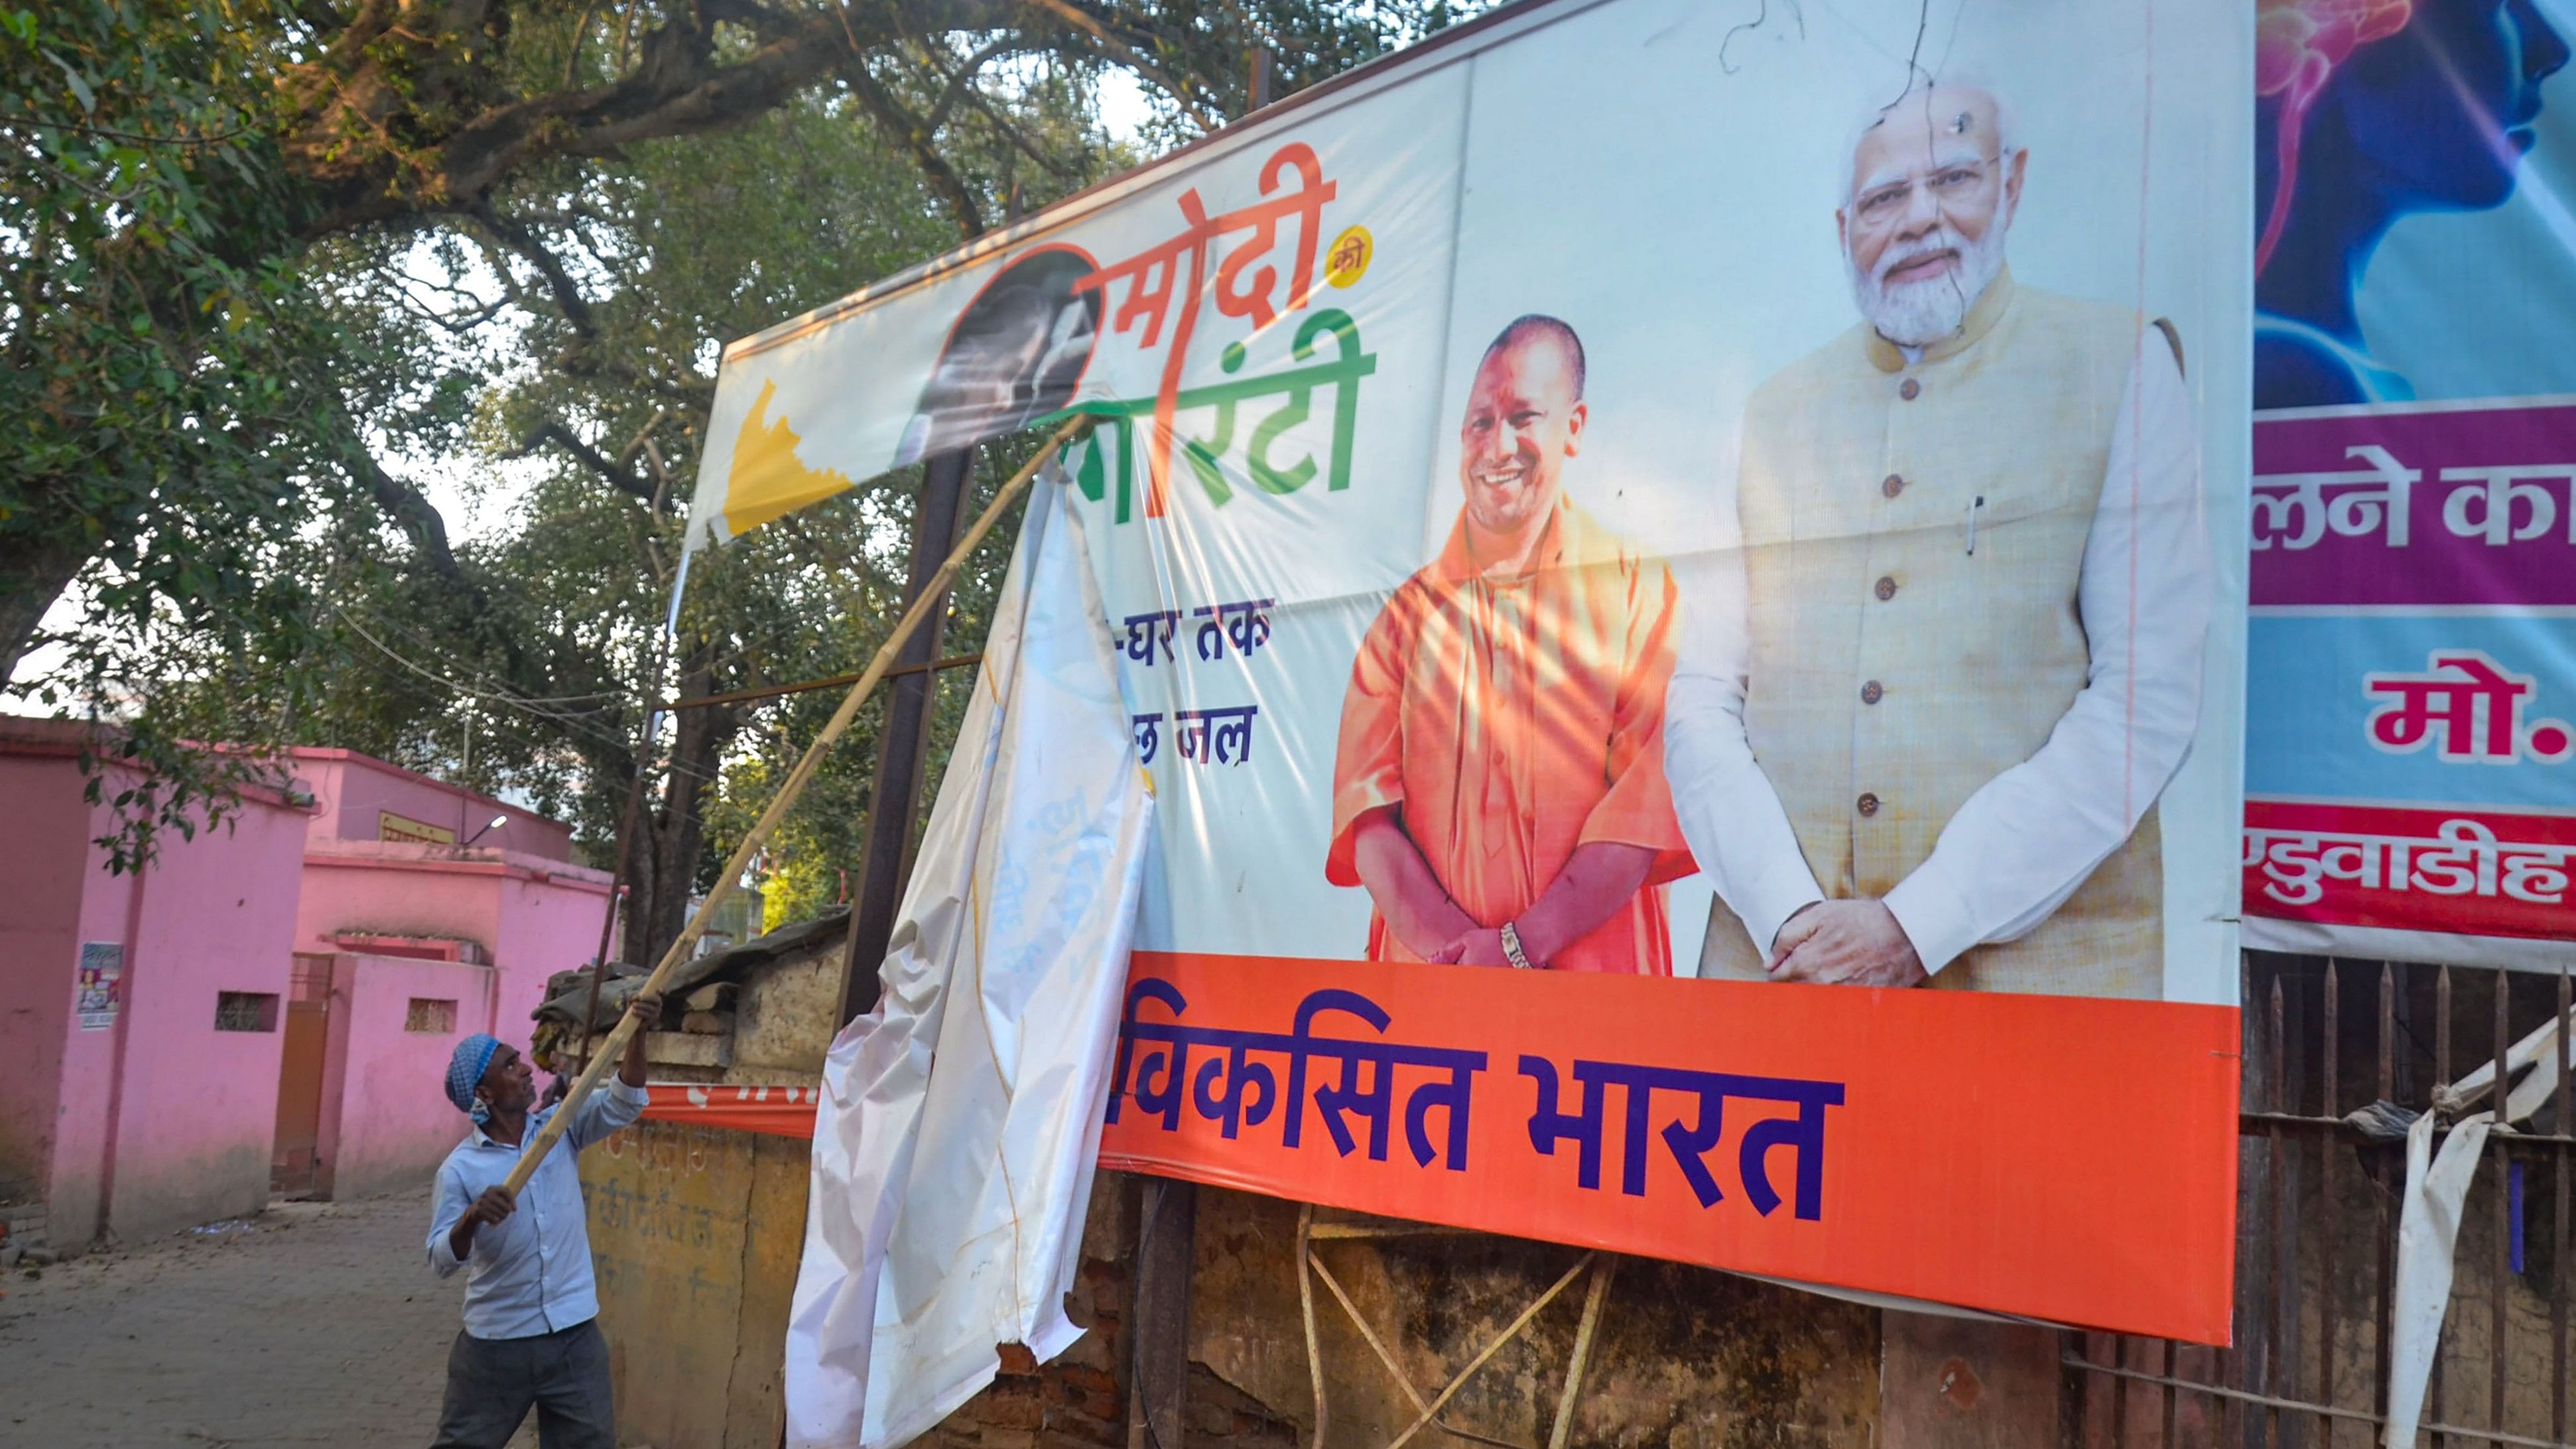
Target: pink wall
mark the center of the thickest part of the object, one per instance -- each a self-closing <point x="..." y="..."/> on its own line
<point x="352" y="790"/>
<point x="40" y="859"/>
<point x="547" y="925"/>
<point x="75" y="1199"/>
<point x="389" y="889"/>
<point x="385" y="1124"/>
<point x="197" y="1114"/>
<point x="159" y="1121"/>
<point x="531" y="916"/>
<point x="386" y="1120"/>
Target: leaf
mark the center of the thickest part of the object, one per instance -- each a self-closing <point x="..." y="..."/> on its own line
<point x="80" y="88"/>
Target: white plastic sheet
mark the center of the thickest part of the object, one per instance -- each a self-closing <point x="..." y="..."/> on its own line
<point x="2428" y="1228"/>
<point x="2426" y="1232"/>
<point x="954" y="1151"/>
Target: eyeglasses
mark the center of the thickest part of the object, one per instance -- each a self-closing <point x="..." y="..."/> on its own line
<point x="1951" y="184"/>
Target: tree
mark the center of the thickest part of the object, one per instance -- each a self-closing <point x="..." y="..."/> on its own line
<point x="211" y="218"/>
<point x="545" y="663"/>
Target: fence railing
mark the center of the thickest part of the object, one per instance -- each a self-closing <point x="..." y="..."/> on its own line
<point x="2338" y="1056"/>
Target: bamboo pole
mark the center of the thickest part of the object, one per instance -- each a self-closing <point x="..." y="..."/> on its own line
<point x="614" y="1048"/>
<point x="1602" y="1267"/>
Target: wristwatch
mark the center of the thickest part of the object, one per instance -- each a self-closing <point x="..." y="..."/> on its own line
<point x="1512" y="948"/>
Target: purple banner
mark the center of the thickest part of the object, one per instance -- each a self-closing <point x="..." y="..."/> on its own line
<point x="2455" y="505"/>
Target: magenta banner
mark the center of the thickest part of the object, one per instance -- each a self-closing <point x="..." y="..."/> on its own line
<point x="2451" y="504"/>
<point x="2410" y="761"/>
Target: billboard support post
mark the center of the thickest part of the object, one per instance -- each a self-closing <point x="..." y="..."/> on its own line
<point x="1159" y="1336"/>
<point x="912" y="701"/>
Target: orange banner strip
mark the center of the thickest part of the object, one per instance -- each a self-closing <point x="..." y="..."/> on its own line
<point x="2060" y="1158"/>
<point x="776" y="1111"/>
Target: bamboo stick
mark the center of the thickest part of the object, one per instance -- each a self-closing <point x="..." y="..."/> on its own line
<point x="611" y="1050"/>
<point x="1603" y="1266"/>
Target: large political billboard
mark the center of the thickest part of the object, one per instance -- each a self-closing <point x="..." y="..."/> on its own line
<point x="1677" y="571"/>
<point x="2413" y="632"/>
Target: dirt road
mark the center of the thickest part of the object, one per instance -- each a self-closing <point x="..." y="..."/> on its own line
<point x="314" y="1323"/>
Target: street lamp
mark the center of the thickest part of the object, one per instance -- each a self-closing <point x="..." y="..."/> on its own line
<point x="497" y="822"/>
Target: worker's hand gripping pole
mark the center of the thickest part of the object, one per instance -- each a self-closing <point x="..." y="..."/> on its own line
<point x="614" y="1049"/>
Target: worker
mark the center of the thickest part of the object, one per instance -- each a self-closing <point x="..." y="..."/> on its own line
<point x="531" y="1335"/>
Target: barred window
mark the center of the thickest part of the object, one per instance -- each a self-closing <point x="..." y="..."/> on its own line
<point x="245" y="1011"/>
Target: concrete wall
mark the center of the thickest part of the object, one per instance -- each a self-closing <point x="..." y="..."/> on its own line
<point x="197" y="1110"/>
<point x="695" y="1234"/>
<point x="785" y="1017"/>
<point x="385" y="1123"/>
<point x="697" y="1259"/>
<point x="530" y="916"/>
<point x="159" y="1120"/>
<point x="41" y="856"/>
<point x="1685" y="1356"/>
<point x="351" y="791"/>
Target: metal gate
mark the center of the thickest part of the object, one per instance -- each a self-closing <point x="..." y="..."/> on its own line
<point x="293" y="1159"/>
<point x="2320" y="1170"/>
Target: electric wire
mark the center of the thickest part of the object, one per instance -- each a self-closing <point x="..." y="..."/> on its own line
<point x="563" y="721"/>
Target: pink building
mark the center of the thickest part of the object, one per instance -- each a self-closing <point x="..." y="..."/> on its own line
<point x="276" y="999"/>
<point x="413" y="930"/>
<point x="139" y="1014"/>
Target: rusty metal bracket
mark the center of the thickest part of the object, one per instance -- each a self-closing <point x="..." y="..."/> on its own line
<point x="1427" y="1412"/>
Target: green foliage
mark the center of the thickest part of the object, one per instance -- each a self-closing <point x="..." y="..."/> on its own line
<point x="673" y="245"/>
<point x="168" y="435"/>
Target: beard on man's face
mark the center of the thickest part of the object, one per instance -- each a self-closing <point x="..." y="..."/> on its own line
<point x="1918" y="314"/>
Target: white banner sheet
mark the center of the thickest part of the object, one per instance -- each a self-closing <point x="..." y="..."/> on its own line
<point x="954" y="1150"/>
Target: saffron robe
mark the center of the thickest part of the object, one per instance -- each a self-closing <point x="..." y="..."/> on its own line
<point x="1508" y="721"/>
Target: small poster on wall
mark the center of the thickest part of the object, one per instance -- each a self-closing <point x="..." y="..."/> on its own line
<point x="390" y="826"/>
<point x="102" y="973"/>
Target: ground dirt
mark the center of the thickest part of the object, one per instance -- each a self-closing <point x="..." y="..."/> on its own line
<point x="311" y="1324"/>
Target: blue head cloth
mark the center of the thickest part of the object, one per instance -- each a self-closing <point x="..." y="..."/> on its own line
<point x="465" y="1071"/>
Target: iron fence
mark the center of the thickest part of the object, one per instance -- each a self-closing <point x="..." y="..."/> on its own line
<point x="2337" y="1056"/>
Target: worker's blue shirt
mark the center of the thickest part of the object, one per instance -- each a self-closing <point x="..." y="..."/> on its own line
<point x="531" y="1274"/>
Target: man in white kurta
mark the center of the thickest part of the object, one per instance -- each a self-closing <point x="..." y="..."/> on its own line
<point x="1926" y="741"/>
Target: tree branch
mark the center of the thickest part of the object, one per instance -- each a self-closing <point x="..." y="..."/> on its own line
<point x="377" y="80"/>
<point x="686" y="390"/>
<point x="524" y="241"/>
<point x="1181" y="92"/>
<point x="458" y="323"/>
<point x="416" y="515"/>
<point x="1018" y="139"/>
<point x="960" y="83"/>
<point x="916" y="138"/>
<point x="589" y="457"/>
<point x="643" y="436"/>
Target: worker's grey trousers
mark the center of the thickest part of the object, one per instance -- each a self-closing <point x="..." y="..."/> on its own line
<point x="492" y="1382"/>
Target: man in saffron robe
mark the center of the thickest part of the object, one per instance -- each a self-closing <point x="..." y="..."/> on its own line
<point x="1499" y="785"/>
